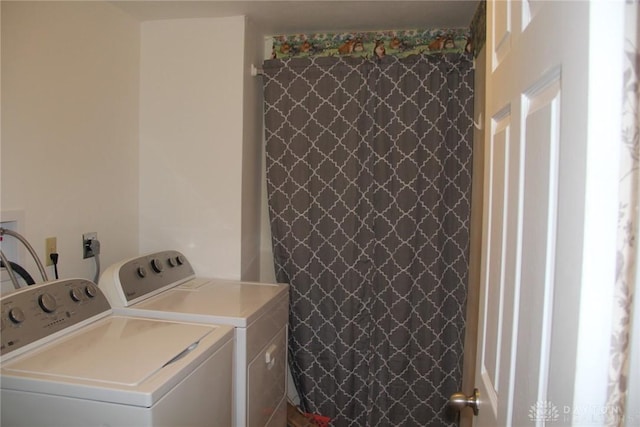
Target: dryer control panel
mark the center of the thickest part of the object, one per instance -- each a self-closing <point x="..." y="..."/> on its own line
<point x="136" y="279"/>
<point x="36" y="312"/>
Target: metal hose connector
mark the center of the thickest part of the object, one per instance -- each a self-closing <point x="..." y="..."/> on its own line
<point x="24" y="241"/>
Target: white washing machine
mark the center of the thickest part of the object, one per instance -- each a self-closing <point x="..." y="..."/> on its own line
<point x="67" y="360"/>
<point x="163" y="285"/>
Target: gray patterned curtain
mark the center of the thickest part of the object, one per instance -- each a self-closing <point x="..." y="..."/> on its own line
<point x="369" y="178"/>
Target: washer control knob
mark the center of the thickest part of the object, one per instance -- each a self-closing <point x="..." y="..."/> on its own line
<point x="16" y="315"/>
<point x="91" y="290"/>
<point x="180" y="259"/>
<point x="172" y="262"/>
<point x="142" y="272"/>
<point x="157" y="266"/>
<point x="76" y="294"/>
<point x="47" y="303"/>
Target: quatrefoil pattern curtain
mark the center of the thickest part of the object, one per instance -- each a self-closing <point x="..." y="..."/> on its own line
<point x="369" y="178"/>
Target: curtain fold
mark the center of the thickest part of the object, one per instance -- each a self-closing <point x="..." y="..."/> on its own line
<point x="368" y="179"/>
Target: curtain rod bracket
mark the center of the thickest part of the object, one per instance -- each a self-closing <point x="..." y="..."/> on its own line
<point x="255" y="71"/>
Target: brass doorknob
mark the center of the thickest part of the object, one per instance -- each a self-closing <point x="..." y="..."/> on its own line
<point x="458" y="401"/>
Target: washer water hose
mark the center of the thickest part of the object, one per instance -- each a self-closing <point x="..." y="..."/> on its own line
<point x="92" y="249"/>
<point x="20" y="271"/>
<point x="24" y="241"/>
<point x="9" y="267"/>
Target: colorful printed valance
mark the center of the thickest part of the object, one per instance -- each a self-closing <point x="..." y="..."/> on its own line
<point x="373" y="44"/>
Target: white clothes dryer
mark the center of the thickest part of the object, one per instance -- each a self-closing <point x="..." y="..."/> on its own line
<point x="67" y="360"/>
<point x="163" y="285"/>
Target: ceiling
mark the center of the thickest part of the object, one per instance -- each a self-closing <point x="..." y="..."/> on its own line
<point x="290" y="17"/>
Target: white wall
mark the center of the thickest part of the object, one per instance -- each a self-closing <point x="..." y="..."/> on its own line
<point x="267" y="270"/>
<point x="252" y="154"/>
<point x="191" y="141"/>
<point x="148" y="133"/>
<point x="0" y="112"/>
<point x="70" y="127"/>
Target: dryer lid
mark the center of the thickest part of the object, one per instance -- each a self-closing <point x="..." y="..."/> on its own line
<point x="216" y="301"/>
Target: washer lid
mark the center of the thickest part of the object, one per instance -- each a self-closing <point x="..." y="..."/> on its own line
<point x="216" y="301"/>
<point x="120" y="354"/>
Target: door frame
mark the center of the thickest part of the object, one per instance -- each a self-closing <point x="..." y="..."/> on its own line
<point x="475" y="237"/>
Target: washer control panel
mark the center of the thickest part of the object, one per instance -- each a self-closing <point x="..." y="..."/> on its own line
<point x="35" y="312"/>
<point x="145" y="275"/>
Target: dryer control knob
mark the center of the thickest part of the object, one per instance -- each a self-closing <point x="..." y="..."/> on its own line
<point x="157" y="266"/>
<point x="91" y="291"/>
<point x="180" y="259"/>
<point x="16" y="315"/>
<point x="47" y="303"/>
<point x="172" y="262"/>
<point x="142" y="272"/>
<point x="76" y="294"/>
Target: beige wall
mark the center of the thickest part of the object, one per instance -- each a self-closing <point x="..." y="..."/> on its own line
<point x="197" y="150"/>
<point x="139" y="131"/>
<point x="252" y="143"/>
<point x="267" y="271"/>
<point x="70" y="127"/>
<point x="0" y="111"/>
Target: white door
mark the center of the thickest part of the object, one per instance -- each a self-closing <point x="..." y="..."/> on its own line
<point x="554" y="81"/>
